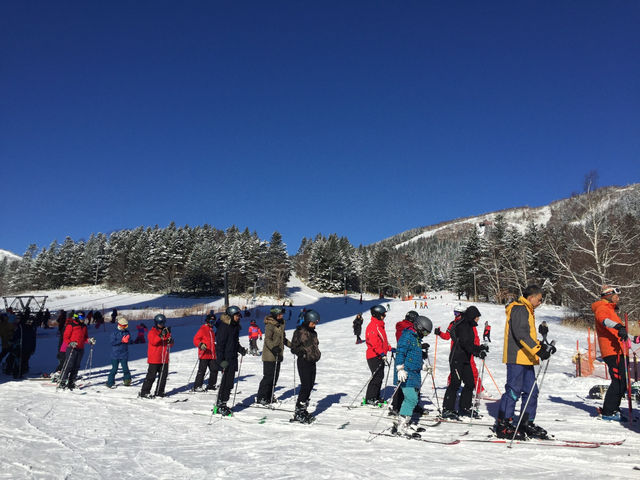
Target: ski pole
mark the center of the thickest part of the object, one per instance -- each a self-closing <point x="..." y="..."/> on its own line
<point x="64" y="372"/>
<point x="88" y="364"/>
<point x="165" y="363"/>
<point x="273" y="384"/>
<point x="493" y="380"/>
<point x="194" y="369"/>
<point x="233" y="402"/>
<point x="386" y="381"/>
<point x="374" y="435"/>
<point x="526" y="404"/>
<point x="475" y="404"/>
<point x="433" y="382"/>
<point x="365" y="385"/>
<point x="625" y="359"/>
<point x="295" y="384"/>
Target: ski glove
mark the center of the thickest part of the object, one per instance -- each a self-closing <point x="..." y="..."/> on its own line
<point x="92" y="340"/>
<point x="224" y="364"/>
<point x="276" y="350"/>
<point x="165" y="331"/>
<point x="622" y="332"/>
<point x="546" y="350"/>
<point x="202" y="346"/>
<point x="437" y="331"/>
<point x="242" y="350"/>
<point x="402" y="374"/>
<point x="126" y="339"/>
<point x="393" y="350"/>
<point x="73" y="344"/>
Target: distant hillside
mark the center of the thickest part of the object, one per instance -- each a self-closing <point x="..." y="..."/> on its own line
<point x="623" y="199"/>
<point x="11" y="257"/>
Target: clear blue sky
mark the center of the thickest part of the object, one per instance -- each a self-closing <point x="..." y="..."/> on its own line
<point x="364" y="118"/>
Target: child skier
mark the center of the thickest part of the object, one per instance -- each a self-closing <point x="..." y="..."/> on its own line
<point x="409" y="357"/>
<point x="120" y="340"/>
<point x="205" y="340"/>
<point x="160" y="342"/>
<point x="304" y="344"/>
<point x="142" y="329"/>
<point x="486" y="334"/>
<point x="254" y="334"/>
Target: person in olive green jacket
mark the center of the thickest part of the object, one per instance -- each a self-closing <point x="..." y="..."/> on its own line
<point x="274" y="342"/>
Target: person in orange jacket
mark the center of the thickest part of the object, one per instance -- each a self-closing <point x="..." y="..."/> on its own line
<point x="612" y="336"/>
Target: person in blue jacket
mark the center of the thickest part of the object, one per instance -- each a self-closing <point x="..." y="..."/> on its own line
<point x="120" y="340"/>
<point x="409" y="357"/>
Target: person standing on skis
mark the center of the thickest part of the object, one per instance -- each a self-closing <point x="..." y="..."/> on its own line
<point x="522" y="351"/>
<point x="227" y="349"/>
<point x="274" y="342"/>
<point x="160" y="341"/>
<point x="205" y="340"/>
<point x="377" y="348"/>
<point x="304" y="345"/>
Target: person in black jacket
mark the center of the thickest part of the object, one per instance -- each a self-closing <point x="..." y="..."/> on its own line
<point x="357" y="327"/>
<point x="304" y="344"/>
<point x="24" y="345"/>
<point x="459" y="360"/>
<point x="227" y="349"/>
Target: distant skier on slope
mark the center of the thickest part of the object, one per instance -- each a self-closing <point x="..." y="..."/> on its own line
<point x="357" y="327"/>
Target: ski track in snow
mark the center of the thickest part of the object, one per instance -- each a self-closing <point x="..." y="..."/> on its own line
<point x="51" y="434"/>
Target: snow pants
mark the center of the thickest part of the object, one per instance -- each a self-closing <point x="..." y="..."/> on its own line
<point x="73" y="360"/>
<point x="155" y="370"/>
<point x="376" y="365"/>
<point x="226" y="385"/>
<point x="521" y="379"/>
<point x="410" y="401"/>
<point x="270" y="374"/>
<point x="461" y="373"/>
<point x="618" y="385"/>
<point x="111" y="379"/>
<point x="307" y="372"/>
<point x="203" y="366"/>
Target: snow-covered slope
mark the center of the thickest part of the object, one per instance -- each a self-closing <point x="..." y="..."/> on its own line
<point x="10" y="256"/>
<point x="101" y="433"/>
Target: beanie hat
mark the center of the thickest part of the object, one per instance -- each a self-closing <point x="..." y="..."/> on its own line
<point x="122" y="321"/>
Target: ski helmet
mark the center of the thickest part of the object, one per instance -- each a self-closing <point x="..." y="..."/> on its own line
<point x="378" y="312"/>
<point x="80" y="316"/>
<point x="311" y="316"/>
<point x="423" y="325"/>
<point x="232" y="310"/>
<point x="160" y="320"/>
<point x="275" y="311"/>
<point x="210" y="319"/>
<point x="411" y="316"/>
<point x="458" y="310"/>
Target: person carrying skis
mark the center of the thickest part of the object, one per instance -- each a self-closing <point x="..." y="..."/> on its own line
<point x="522" y="351"/>
<point x="409" y="358"/>
<point x="254" y="334"/>
<point x="227" y="349"/>
<point x="160" y="342"/>
<point x="120" y="340"/>
<point x="75" y="338"/>
<point x="612" y="338"/>
<point x="274" y="342"/>
<point x="205" y="340"/>
<point x="304" y="345"/>
<point x="463" y="349"/>
<point x="486" y="333"/>
<point x="377" y="348"/>
<point x="357" y="327"/>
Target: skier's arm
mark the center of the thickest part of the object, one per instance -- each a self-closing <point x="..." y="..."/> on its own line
<point x="520" y="329"/>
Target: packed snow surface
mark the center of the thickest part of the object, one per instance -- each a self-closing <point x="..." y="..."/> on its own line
<point x="96" y="433"/>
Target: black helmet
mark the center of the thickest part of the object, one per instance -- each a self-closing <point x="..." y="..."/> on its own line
<point x="411" y="316"/>
<point x="210" y="319"/>
<point x="232" y="310"/>
<point x="160" y="320"/>
<point x="311" y="316"/>
<point x="378" y="312"/>
<point x="423" y="325"/>
<point x="275" y="311"/>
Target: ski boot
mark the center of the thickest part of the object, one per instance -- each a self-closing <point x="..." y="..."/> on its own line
<point x="532" y="430"/>
<point x="127" y="382"/>
<point x="470" y="413"/>
<point x="449" y="415"/>
<point x="301" y="414"/>
<point x="199" y="389"/>
<point x="403" y="427"/>
<point x="503" y="428"/>
<point x="223" y="410"/>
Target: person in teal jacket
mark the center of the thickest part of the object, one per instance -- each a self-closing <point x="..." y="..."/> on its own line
<point x="409" y="357"/>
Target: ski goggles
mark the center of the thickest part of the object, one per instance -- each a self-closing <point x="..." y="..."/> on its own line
<point x="610" y="291"/>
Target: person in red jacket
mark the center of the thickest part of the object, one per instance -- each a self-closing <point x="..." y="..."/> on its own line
<point x="254" y="334"/>
<point x="486" y="334"/>
<point x="160" y="342"/>
<point x="75" y="337"/>
<point x="611" y="338"/>
<point x="377" y="348"/>
<point x="205" y="340"/>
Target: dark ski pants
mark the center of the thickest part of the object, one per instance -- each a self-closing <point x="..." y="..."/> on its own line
<point x="73" y="360"/>
<point x="155" y="370"/>
<point x="270" y="374"/>
<point x="618" y="385"/>
<point x="307" y="372"/>
<point x="461" y="373"/>
<point x="111" y="379"/>
<point x="520" y="381"/>
<point x="204" y="365"/>
<point x="226" y="385"/>
<point x="397" y="400"/>
<point x="376" y="365"/>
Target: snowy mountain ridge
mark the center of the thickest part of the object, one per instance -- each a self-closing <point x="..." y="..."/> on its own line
<point x="10" y="256"/>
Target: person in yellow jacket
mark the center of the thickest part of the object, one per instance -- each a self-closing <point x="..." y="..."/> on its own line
<point x="522" y="351"/>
